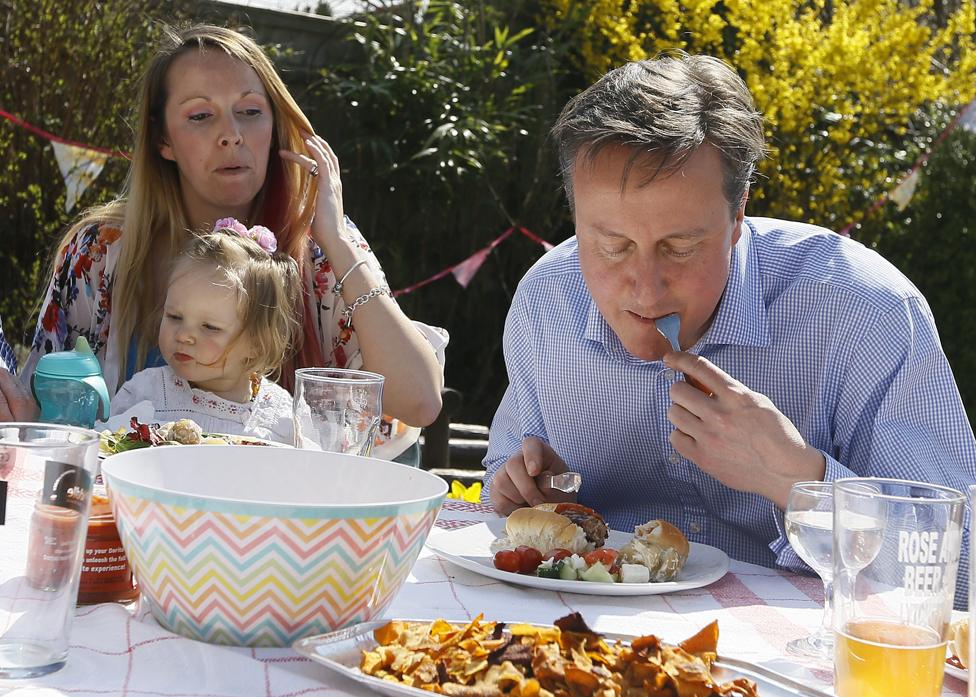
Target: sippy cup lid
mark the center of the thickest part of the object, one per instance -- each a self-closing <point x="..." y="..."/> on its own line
<point x="79" y="363"/>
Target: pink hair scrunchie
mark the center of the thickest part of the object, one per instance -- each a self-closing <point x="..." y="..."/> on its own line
<point x="260" y="234"/>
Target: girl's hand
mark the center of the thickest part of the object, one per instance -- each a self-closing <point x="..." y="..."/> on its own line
<point x="322" y="163"/>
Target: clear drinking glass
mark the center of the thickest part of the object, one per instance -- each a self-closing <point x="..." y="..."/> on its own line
<point x="809" y="528"/>
<point x="896" y="555"/>
<point x="46" y="476"/>
<point x="337" y="410"/>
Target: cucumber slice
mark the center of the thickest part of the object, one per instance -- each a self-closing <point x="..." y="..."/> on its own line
<point x="597" y="573"/>
<point x="547" y="570"/>
<point x="567" y="571"/>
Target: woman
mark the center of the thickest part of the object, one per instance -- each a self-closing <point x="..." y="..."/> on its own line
<point x="218" y="135"/>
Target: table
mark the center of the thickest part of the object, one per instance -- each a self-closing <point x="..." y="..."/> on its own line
<point x="118" y="650"/>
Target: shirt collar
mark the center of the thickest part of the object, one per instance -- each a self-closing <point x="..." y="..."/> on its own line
<point x="741" y="316"/>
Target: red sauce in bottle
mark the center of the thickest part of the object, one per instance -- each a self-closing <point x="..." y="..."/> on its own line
<point x="105" y="573"/>
<point x="51" y="546"/>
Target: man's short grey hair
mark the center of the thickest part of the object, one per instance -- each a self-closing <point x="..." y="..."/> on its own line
<point x="665" y="109"/>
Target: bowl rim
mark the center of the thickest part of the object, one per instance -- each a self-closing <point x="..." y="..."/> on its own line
<point x="223" y="504"/>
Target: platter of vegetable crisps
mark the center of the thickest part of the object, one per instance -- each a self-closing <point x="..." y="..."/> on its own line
<point x="526" y="550"/>
<point x="404" y="658"/>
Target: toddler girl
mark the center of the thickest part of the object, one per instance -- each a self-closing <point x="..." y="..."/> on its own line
<point x="228" y="322"/>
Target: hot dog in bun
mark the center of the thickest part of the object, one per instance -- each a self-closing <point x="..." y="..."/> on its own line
<point x="551" y="526"/>
<point x="659" y="546"/>
<point x="959" y="640"/>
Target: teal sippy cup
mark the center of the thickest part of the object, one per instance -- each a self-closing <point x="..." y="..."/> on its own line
<point x="69" y="387"/>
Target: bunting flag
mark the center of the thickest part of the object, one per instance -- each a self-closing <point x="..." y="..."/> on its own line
<point x="967" y="119"/>
<point x="79" y="168"/>
<point x="902" y="194"/>
<point x="80" y="165"/>
<point x="465" y="271"/>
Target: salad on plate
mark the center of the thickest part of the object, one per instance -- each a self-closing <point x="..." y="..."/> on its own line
<point x="182" y="432"/>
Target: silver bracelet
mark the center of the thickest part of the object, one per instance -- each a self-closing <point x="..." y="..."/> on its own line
<point x="337" y="288"/>
<point x="362" y="300"/>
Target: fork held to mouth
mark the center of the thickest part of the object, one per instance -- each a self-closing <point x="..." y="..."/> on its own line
<point x="669" y="326"/>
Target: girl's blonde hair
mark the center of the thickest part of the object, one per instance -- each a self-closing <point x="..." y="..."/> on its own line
<point x="151" y="205"/>
<point x="266" y="286"/>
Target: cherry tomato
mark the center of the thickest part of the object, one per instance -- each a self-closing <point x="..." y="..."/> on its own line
<point x="529" y="559"/>
<point x="558" y="553"/>
<point x="507" y="560"/>
<point x="606" y="556"/>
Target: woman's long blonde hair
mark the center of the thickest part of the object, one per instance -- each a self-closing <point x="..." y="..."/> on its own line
<point x="151" y="202"/>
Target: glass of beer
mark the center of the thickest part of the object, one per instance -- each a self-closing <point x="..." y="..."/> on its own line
<point x="896" y="555"/>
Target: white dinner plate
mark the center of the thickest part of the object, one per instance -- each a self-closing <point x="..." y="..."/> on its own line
<point x="470" y="548"/>
<point x="960" y="673"/>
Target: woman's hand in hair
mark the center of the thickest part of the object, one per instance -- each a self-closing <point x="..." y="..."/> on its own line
<point x="321" y="161"/>
<point x="16" y="403"/>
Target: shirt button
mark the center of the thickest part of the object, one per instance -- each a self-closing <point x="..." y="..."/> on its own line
<point x="669" y="374"/>
<point x="695" y="528"/>
<point x="674" y="458"/>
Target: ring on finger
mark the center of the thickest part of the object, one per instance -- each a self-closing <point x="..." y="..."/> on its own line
<point x="315" y="170"/>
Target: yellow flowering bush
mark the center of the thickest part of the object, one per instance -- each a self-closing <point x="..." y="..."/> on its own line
<point x="847" y="88"/>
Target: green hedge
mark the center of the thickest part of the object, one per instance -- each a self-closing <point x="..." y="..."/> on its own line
<point x="70" y="69"/>
<point x="933" y="241"/>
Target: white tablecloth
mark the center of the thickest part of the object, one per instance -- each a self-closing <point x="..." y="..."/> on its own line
<point x="117" y="650"/>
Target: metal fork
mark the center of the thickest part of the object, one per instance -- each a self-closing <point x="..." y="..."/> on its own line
<point x="568" y="481"/>
<point x="669" y="326"/>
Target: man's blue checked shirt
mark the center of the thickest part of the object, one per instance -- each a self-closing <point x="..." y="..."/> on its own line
<point x="841" y="342"/>
<point x="8" y="359"/>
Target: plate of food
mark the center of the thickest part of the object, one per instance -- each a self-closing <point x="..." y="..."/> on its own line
<point x="483" y="658"/>
<point x="182" y="432"/>
<point x="568" y="547"/>
<point x="956" y="648"/>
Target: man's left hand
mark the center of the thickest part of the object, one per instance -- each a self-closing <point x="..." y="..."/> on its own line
<point x="737" y="435"/>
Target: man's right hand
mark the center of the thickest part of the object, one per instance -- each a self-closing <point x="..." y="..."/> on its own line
<point x="516" y="484"/>
<point x="16" y="403"/>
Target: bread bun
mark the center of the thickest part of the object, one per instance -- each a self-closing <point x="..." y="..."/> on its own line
<point x="959" y="641"/>
<point x="659" y="546"/>
<point x="545" y="530"/>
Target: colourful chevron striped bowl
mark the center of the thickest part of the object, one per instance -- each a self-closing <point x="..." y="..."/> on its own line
<point x="264" y="546"/>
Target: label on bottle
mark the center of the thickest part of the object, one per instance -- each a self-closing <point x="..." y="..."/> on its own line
<point x="65" y="485"/>
<point x="105" y="572"/>
<point x="52" y="546"/>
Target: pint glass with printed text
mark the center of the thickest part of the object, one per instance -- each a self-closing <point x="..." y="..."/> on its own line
<point x="896" y="555"/>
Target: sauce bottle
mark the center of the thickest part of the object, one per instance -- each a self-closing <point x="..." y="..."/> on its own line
<point x="106" y="576"/>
